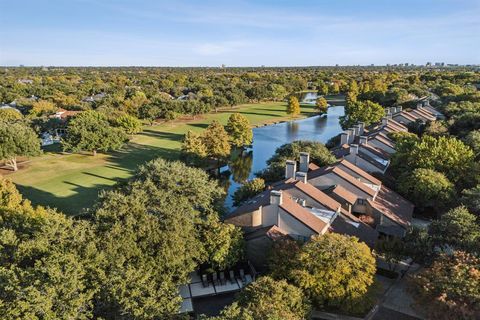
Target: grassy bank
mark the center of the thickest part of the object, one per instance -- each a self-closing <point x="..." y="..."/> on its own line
<point x="72" y="182"/>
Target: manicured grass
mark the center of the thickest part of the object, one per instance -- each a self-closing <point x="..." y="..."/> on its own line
<point x="72" y="182"/>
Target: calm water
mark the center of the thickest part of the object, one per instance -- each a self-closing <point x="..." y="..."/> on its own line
<point x="268" y="138"/>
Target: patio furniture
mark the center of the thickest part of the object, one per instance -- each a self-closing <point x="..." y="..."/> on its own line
<point x="232" y="277"/>
<point x="242" y="276"/>
<point x="205" y="280"/>
<point x="222" y="278"/>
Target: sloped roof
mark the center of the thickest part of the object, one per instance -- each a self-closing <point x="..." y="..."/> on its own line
<point x="387" y="142"/>
<point x="394" y="206"/>
<point x="407" y="115"/>
<point x="344" y="194"/>
<point x="398" y="124"/>
<point x="302" y="214"/>
<point x="359" y="229"/>
<point x="273" y="232"/>
<point x="360" y="172"/>
<point x="345" y="176"/>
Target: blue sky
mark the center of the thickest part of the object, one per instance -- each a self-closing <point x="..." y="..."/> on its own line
<point x="238" y="33"/>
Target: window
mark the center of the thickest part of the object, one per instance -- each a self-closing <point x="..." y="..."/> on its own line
<point x="361" y="202"/>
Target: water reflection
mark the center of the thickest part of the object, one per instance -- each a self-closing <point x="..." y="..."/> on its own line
<point x="268" y="138"/>
<point x="240" y="165"/>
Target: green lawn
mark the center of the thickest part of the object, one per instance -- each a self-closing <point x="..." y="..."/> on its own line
<point x="72" y="182"/>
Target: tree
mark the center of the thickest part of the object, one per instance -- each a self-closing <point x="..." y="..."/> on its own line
<point x="471" y="199"/>
<point x="293" y="106"/>
<point x="436" y="129"/>
<point x="150" y="244"/>
<point x="278" y="92"/>
<point x="90" y="131"/>
<point x="42" y="107"/>
<point x="239" y="129"/>
<point x="319" y="155"/>
<point x="283" y="258"/>
<point x="17" y="140"/>
<point x="446" y="155"/>
<point x="334" y="270"/>
<point x="322" y="105"/>
<point x="427" y="188"/>
<point x="392" y="251"/>
<point x="457" y="228"/>
<point x="216" y="141"/>
<point x="248" y="190"/>
<point x="155" y="231"/>
<point x="180" y="181"/>
<point x="194" y="150"/>
<point x="268" y="299"/>
<point x="10" y="198"/>
<point x="361" y="111"/>
<point x="223" y="243"/>
<point x="49" y="263"/>
<point x="418" y="245"/>
<point x="473" y="140"/>
<point x="322" y="88"/>
<point x="450" y="288"/>
<point x="9" y="115"/>
<point x="129" y="124"/>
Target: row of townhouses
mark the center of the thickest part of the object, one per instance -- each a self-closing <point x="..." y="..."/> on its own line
<point x="343" y="197"/>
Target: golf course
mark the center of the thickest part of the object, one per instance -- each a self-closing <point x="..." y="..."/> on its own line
<point x="71" y="182"/>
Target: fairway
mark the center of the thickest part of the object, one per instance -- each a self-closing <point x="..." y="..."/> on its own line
<point x="72" y="182"/>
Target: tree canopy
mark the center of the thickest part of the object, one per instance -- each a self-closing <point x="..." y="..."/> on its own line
<point x="216" y="141"/>
<point x="17" y="140"/>
<point x="334" y="270"/>
<point x="427" y="188"/>
<point x="367" y="112"/>
<point x="267" y="299"/>
<point x="90" y="131"/>
<point x="239" y="130"/>
<point x="450" y="288"/>
<point x="293" y="106"/>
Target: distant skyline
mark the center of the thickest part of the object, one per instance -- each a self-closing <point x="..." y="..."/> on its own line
<point x="238" y="33"/>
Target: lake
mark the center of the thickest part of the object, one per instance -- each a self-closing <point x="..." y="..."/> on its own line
<point x="268" y="138"/>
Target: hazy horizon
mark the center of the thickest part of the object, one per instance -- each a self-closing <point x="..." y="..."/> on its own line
<point x="238" y="33"/>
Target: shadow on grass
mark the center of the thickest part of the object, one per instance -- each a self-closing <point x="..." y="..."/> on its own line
<point x="126" y="160"/>
<point x="162" y="135"/>
<point x="198" y="125"/>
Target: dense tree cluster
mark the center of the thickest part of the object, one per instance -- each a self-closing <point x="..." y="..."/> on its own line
<point x="125" y="259"/>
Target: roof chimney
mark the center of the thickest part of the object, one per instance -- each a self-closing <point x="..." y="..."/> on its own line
<point x="351" y="137"/>
<point x="276" y="197"/>
<point x="344" y="138"/>
<point x="304" y="161"/>
<point x="363" y="140"/>
<point x="361" y="126"/>
<point x="384" y="121"/>
<point x="392" y="110"/>
<point x="301" y="176"/>
<point x="290" y="169"/>
<point x="354" y="149"/>
<point x="355" y="131"/>
<point x="399" y="109"/>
